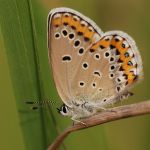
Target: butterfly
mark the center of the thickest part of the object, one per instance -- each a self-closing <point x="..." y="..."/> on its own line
<point x="91" y="69"/>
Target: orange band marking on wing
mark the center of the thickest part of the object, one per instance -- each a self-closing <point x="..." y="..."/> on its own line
<point x="56" y="21"/>
<point x="66" y="19"/>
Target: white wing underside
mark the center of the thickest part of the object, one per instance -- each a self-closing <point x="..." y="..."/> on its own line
<point x="69" y="73"/>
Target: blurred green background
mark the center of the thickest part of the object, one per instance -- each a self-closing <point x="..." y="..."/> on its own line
<point x="25" y="75"/>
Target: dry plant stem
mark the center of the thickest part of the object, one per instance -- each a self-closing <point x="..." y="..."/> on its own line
<point x="103" y="117"/>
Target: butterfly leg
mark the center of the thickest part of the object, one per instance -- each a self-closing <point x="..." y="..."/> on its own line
<point x="75" y="120"/>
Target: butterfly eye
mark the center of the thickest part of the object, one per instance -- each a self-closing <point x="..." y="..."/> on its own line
<point x="64" y="109"/>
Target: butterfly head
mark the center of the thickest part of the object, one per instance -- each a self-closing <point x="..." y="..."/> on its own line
<point x="64" y="110"/>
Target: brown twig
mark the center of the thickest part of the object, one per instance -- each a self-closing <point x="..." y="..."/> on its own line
<point x="103" y="117"/>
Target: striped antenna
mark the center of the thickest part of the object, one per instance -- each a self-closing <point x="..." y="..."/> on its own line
<point x="40" y="104"/>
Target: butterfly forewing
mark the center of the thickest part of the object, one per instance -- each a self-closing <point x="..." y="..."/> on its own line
<point x="70" y="35"/>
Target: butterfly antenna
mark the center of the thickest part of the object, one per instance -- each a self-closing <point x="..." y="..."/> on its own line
<point x="29" y="102"/>
<point x="58" y="110"/>
<point x="39" y="104"/>
<point x="34" y="108"/>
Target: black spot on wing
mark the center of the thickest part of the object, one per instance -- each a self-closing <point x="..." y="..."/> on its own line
<point x="73" y="27"/>
<point x="92" y="50"/>
<point x="71" y="36"/>
<point x="80" y="33"/>
<point x="117" y="52"/>
<point x="97" y="73"/>
<point x="81" y="50"/>
<point x="101" y="47"/>
<point x="112" y="47"/>
<point x="65" y="23"/>
<point x="76" y="43"/>
<point x="66" y="58"/>
<point x="86" y="39"/>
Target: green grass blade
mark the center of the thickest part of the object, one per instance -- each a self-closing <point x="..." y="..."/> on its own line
<point x="23" y="56"/>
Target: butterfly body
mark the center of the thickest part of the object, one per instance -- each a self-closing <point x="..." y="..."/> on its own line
<point x="91" y="69"/>
<point x="83" y="108"/>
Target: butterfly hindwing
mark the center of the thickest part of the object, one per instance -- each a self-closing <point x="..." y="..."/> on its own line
<point x="113" y="66"/>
